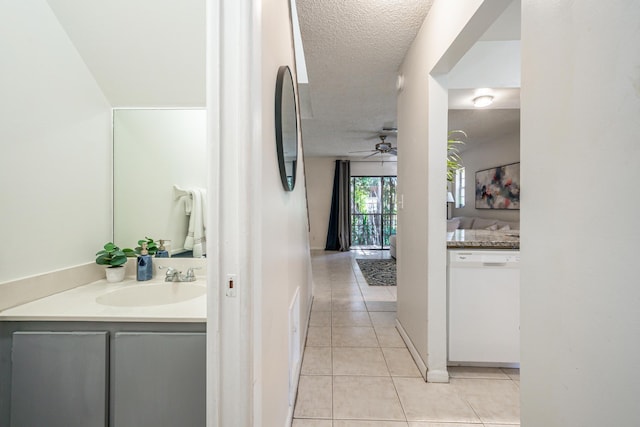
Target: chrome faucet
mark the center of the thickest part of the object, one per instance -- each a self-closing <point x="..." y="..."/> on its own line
<point x="173" y="275"/>
<point x="190" y="276"/>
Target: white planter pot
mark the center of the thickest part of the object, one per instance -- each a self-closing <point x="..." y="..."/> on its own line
<point x="115" y="274"/>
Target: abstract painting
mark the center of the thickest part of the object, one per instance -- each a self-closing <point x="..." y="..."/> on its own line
<point x="499" y="187"/>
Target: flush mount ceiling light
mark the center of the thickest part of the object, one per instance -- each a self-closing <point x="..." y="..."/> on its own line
<point x="482" y="101"/>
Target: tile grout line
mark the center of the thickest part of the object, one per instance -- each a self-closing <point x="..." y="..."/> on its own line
<point x="384" y="357"/>
<point x="331" y="356"/>
<point x="376" y="334"/>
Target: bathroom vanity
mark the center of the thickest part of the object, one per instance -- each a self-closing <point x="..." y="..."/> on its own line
<point x="106" y="354"/>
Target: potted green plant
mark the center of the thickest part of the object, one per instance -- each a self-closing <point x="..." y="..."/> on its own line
<point x="114" y="258"/>
<point x="454" y="161"/>
<point x="152" y="247"/>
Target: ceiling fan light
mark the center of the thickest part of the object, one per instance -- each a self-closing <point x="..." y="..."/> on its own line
<point x="482" y="101"/>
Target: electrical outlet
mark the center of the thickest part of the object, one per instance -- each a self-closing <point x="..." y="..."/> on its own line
<point x="232" y="285"/>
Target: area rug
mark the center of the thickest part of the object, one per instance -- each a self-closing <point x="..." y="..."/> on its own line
<point x="378" y="272"/>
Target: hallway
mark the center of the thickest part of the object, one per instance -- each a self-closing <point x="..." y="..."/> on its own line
<point x="357" y="371"/>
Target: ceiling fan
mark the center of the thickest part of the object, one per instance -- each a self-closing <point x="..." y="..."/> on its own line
<point x="382" y="147"/>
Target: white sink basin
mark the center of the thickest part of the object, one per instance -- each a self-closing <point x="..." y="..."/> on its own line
<point x="152" y="294"/>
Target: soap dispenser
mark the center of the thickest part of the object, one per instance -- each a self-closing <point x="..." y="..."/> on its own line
<point x="162" y="252"/>
<point x="145" y="267"/>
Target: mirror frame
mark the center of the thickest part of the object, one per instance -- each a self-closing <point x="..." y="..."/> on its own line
<point x="284" y="72"/>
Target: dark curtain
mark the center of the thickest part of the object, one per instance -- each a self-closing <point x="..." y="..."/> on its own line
<point x="339" y="233"/>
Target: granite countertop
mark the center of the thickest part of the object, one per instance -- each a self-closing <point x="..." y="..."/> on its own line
<point x="81" y="304"/>
<point x="483" y="239"/>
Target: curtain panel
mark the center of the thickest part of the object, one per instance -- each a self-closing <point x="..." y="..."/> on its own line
<point x="339" y="232"/>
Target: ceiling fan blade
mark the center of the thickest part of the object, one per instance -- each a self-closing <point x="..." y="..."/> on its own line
<point x="362" y="151"/>
<point x="366" y="157"/>
<point x="394" y="151"/>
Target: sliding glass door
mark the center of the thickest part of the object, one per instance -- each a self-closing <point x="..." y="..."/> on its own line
<point x="373" y="211"/>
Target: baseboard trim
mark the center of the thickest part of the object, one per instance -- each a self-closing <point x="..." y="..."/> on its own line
<point x="422" y="367"/>
<point x="430" y="376"/>
<point x="289" y="421"/>
<point x="437" y="376"/>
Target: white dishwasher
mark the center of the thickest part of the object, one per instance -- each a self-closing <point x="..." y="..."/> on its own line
<point x="484" y="307"/>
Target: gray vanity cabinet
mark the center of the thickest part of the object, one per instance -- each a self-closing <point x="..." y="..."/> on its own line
<point x="98" y="374"/>
<point x="59" y="379"/>
<point x="159" y="379"/>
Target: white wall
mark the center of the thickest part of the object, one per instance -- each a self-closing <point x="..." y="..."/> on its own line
<point x="422" y="134"/>
<point x="501" y="151"/>
<point x="153" y="151"/>
<point x="142" y="53"/>
<point x="55" y="170"/>
<point x="284" y="253"/>
<point x="320" y="172"/>
<point x="580" y="155"/>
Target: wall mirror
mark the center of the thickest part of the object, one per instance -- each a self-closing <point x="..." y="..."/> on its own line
<point x="155" y="151"/>
<point x="286" y="128"/>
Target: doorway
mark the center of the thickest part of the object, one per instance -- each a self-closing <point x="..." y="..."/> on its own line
<point x="373" y="211"/>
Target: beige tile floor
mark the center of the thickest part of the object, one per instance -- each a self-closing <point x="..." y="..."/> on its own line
<point x="357" y="371"/>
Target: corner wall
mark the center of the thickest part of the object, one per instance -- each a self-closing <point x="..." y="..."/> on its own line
<point x="260" y="240"/>
<point x="450" y="29"/>
<point x="55" y="170"/>
<point x="580" y="154"/>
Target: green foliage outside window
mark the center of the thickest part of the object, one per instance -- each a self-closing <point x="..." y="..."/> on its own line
<point x="373" y="210"/>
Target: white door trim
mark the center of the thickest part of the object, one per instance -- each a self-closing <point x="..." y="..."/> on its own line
<point x="233" y="96"/>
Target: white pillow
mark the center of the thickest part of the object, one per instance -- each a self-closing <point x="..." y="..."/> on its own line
<point x="452" y="224"/>
<point x="505" y="228"/>
<point x="493" y="227"/>
<point x="465" y="221"/>
<point x="483" y="223"/>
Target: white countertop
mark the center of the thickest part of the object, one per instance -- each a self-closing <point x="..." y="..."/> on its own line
<point x="79" y="304"/>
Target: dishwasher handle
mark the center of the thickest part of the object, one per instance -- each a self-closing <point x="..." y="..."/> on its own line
<point x="494" y="264"/>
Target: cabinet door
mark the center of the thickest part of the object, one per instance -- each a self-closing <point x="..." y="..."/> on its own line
<point x="59" y="379"/>
<point x="159" y="380"/>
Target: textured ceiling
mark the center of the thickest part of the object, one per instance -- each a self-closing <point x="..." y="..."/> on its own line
<point x="353" y="50"/>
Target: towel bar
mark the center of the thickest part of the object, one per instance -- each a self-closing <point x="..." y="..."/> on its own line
<point x="179" y="192"/>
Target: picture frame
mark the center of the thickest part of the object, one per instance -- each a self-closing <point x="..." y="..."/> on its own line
<point x="498" y="187"/>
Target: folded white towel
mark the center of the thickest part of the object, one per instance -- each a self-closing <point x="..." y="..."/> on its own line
<point x="196" y="237"/>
